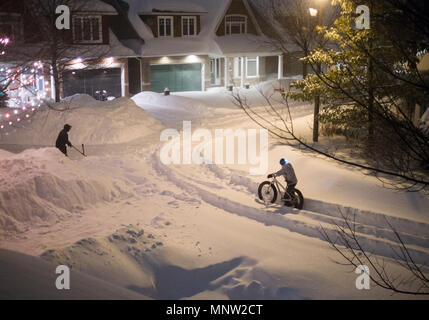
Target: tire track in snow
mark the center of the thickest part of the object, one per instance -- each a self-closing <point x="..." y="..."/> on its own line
<point x="413" y="230"/>
<point x="378" y="246"/>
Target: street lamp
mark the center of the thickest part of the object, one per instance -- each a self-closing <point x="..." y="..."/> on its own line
<point x="313" y="12"/>
<point x="318" y="14"/>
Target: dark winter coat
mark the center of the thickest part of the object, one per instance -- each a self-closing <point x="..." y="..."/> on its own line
<point x="63" y="140"/>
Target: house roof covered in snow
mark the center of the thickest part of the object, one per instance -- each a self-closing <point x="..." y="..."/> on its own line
<point x="94" y="6"/>
<point x="206" y="42"/>
<point x="123" y="29"/>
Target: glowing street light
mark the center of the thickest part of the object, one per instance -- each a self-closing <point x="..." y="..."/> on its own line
<point x="313" y="12"/>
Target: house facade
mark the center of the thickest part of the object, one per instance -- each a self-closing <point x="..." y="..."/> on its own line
<point x="201" y="44"/>
<point x="97" y="54"/>
<point x="122" y="47"/>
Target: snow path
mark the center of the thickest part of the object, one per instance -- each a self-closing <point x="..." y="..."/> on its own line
<point x="198" y="190"/>
<point x="372" y="228"/>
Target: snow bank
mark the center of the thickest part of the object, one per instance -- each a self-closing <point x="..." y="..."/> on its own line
<point x="136" y="259"/>
<point x="200" y="106"/>
<point x="42" y="186"/>
<point x="28" y="277"/>
<point x="93" y="122"/>
<point x="173" y="108"/>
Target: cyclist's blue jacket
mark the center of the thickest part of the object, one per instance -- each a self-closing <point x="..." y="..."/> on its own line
<point x="288" y="172"/>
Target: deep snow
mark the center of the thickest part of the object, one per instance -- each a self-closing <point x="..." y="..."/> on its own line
<point x="121" y="121"/>
<point x="190" y="231"/>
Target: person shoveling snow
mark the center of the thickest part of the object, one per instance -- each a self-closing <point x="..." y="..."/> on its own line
<point x="63" y="139"/>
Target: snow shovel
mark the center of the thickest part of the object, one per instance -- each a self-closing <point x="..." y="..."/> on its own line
<point x="82" y="153"/>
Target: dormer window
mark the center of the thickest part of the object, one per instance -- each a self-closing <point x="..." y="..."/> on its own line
<point x="87" y="29"/>
<point x="165" y="26"/>
<point x="189" y="26"/>
<point x="236" y="24"/>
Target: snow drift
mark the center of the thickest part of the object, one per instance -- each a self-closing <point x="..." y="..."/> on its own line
<point x="171" y="108"/>
<point x="93" y="122"/>
<point x="43" y="186"/>
<point x="27" y="277"/>
<point x="137" y="260"/>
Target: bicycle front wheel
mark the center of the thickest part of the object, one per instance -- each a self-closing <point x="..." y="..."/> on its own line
<point x="267" y="192"/>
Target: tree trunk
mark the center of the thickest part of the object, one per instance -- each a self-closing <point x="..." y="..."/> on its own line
<point x="304" y="70"/>
<point x="56" y="77"/>
<point x="370" y="102"/>
<point x="316" y="110"/>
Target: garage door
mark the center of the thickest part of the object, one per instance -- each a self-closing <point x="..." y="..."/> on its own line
<point x="176" y="77"/>
<point x="93" y="82"/>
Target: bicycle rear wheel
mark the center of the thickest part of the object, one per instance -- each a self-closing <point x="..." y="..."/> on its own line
<point x="299" y="199"/>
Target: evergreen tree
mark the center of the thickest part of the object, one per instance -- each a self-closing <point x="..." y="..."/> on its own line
<point x="373" y="83"/>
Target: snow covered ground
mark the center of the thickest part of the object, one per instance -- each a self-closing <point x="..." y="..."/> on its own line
<point x="187" y="231"/>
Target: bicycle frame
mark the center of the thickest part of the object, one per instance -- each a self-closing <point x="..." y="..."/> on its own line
<point x="278" y="184"/>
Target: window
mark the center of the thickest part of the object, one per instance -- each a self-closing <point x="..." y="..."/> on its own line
<point x="189" y="26"/>
<point x="87" y="29"/>
<point x="252" y="67"/>
<point x="236" y="24"/>
<point x="165" y="26"/>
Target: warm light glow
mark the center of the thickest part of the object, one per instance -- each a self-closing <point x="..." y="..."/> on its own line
<point x="165" y="60"/>
<point x="192" y="58"/>
<point x="313" y="12"/>
<point x="77" y="64"/>
<point x="109" y="61"/>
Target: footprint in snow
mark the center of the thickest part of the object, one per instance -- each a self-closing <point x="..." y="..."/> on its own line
<point x="174" y="204"/>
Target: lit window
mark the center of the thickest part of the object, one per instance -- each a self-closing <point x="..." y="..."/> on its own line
<point x="252" y="67"/>
<point x="236" y="24"/>
<point x="87" y="29"/>
<point x="189" y="26"/>
<point x="165" y="26"/>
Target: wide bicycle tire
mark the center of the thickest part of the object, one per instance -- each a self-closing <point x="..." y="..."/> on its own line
<point x="273" y="189"/>
<point x="300" y="203"/>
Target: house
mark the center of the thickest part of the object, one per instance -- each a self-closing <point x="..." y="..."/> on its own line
<point x="103" y="28"/>
<point x="122" y="47"/>
<point x="193" y="45"/>
<point x="97" y="53"/>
